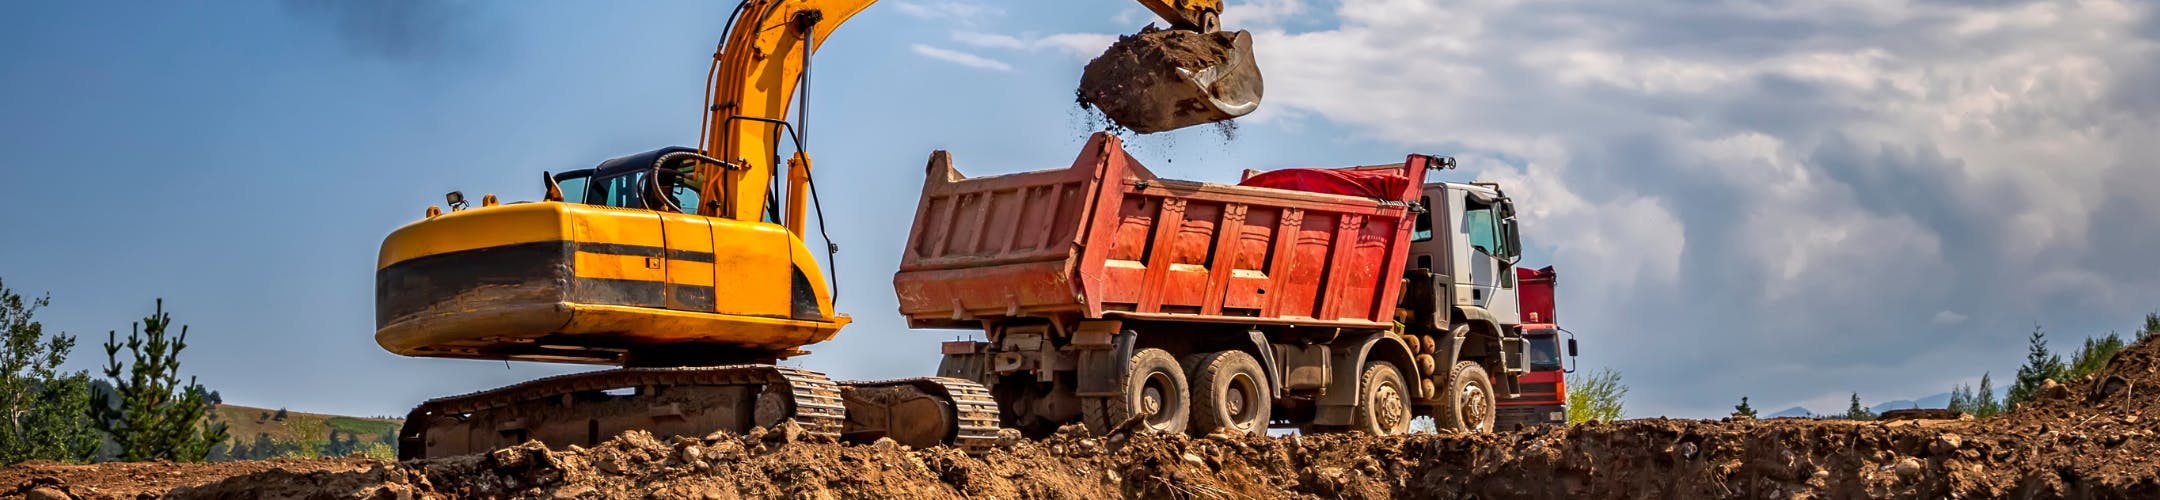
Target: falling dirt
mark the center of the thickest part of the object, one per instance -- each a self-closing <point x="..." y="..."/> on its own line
<point x="2087" y="439"/>
<point x="1135" y="85"/>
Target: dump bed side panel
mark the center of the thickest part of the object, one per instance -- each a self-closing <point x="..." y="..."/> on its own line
<point x="1121" y="242"/>
<point x="996" y="246"/>
<point x="1227" y="252"/>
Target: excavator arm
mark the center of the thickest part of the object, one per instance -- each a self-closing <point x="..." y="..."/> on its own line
<point x="755" y="77"/>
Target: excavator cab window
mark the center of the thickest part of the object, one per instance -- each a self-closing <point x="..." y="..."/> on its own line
<point x="573" y="189"/>
<point x="686" y="197"/>
<point x="624" y="190"/>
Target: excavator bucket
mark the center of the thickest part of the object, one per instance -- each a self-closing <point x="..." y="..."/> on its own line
<point x="1158" y="79"/>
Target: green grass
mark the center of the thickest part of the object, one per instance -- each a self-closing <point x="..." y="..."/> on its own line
<point x="364" y="427"/>
<point x="303" y="430"/>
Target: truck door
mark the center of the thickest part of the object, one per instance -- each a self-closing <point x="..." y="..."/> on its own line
<point x="1484" y="255"/>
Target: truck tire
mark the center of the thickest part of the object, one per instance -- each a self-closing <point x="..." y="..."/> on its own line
<point x="1230" y="395"/>
<point x="1384" y="406"/>
<point x="1467" y="402"/>
<point x="1154" y="384"/>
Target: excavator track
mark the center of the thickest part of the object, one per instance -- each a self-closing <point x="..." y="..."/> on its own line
<point x="574" y="409"/>
<point x="965" y="415"/>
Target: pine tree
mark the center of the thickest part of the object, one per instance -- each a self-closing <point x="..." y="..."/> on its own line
<point x="2040" y="366"/>
<point x="1961" y="399"/>
<point x="44" y="412"/>
<point x="2152" y="327"/>
<point x="264" y="448"/>
<point x="1985" y="405"/>
<point x="280" y="415"/>
<point x="2094" y="355"/>
<point x="1742" y="410"/>
<point x="157" y="416"/>
<point x="1857" y="412"/>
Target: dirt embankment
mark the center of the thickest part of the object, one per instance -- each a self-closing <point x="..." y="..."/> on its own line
<point x="2089" y="439"/>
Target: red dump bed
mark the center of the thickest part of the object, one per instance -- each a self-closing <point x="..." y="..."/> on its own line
<point x="1106" y="238"/>
<point x="1535" y="293"/>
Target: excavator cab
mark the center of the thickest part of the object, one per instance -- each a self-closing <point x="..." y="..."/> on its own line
<point x="651" y="180"/>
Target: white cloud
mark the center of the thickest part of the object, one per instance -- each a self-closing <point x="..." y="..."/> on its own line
<point x="1260" y="13"/>
<point x="948" y="10"/>
<point x="1769" y="186"/>
<point x="961" y="58"/>
<point x="1078" y="45"/>
<point x="1948" y="318"/>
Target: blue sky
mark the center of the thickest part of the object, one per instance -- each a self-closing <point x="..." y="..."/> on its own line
<point x="1804" y="204"/>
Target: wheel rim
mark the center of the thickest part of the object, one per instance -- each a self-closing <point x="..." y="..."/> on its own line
<point x="1154" y="397"/>
<point x="1242" y="400"/>
<point x="1472" y="404"/>
<point x="1388" y="405"/>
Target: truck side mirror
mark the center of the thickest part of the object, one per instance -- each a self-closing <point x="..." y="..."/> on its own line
<point x="1571" y="348"/>
<point x="1513" y="237"/>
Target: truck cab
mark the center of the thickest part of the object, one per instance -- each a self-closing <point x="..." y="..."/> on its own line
<point x="1467" y="243"/>
<point x="1543" y="400"/>
<point x="1467" y="235"/>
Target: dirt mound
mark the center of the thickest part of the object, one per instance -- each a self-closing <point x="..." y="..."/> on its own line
<point x="2088" y="439"/>
<point x="151" y="479"/>
<point x="1158" y="80"/>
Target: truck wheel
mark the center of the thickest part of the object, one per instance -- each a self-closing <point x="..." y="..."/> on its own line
<point x="1154" y="386"/>
<point x="1384" y="407"/>
<point x="1230" y="394"/>
<point x="1467" y="403"/>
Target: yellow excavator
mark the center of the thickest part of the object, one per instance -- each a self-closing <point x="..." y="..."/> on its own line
<point x="686" y="269"/>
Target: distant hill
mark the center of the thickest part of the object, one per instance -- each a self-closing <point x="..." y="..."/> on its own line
<point x="259" y="433"/>
<point x="1791" y="412"/>
<point x="1935" y="401"/>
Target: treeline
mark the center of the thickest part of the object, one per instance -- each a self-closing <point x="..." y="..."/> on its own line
<point x="337" y="444"/>
<point x="140" y="410"/>
<point x="2042" y="367"/>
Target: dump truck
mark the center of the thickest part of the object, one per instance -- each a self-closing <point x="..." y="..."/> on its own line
<point x="1317" y="299"/>
<point x="1543" y="400"/>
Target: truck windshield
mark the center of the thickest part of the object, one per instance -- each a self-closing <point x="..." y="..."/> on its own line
<point x="1544" y="350"/>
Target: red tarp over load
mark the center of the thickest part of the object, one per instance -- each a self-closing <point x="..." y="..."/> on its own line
<point x="1359" y="183"/>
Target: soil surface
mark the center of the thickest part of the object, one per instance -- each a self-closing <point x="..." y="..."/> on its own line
<point x="1136" y="86"/>
<point x="2087" y="439"/>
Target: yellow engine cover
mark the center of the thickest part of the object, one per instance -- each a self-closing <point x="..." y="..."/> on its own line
<point x="551" y="281"/>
